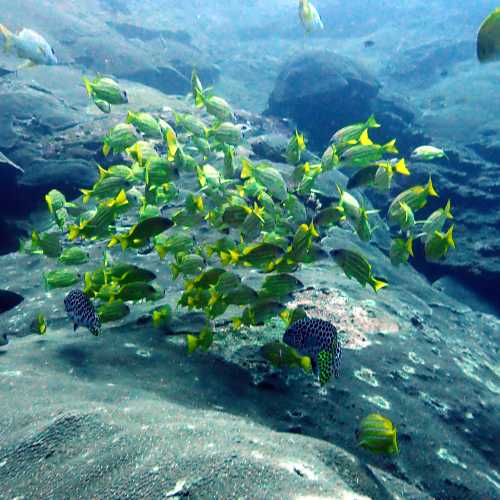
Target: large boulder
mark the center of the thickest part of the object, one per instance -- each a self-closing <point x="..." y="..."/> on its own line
<point x="321" y="91"/>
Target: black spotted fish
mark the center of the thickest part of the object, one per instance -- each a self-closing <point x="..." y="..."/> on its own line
<point x="317" y="339"/>
<point x="82" y="312"/>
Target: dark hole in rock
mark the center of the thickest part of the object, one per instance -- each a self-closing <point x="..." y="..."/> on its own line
<point x="9" y="300"/>
<point x="10" y="235"/>
<point x="482" y="284"/>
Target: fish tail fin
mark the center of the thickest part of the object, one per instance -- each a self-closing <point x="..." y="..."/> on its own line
<point x="74" y="232"/>
<point x="87" y="280"/>
<point x="364" y="140"/>
<point x="106" y="149"/>
<point x="371" y="122"/>
<point x="378" y="284"/>
<point x="22" y="245"/>
<point x="88" y="86"/>
<point x="305" y="363"/>
<point x="447" y="210"/>
<point x="409" y="245"/>
<point x="199" y="98"/>
<point x="171" y="139"/>
<point x="87" y="193"/>
<point x="430" y="189"/>
<point x="449" y="237"/>
<point x="49" y="203"/>
<point x="8" y="38"/>
<point x="246" y="171"/>
<point x="130" y="117"/>
<point x="121" y="198"/>
<point x="161" y="251"/>
<point x="225" y="258"/>
<point x="113" y="241"/>
<point x="192" y="343"/>
<point x="124" y="243"/>
<point x="401" y="167"/>
<point x="395" y="448"/>
<point x="102" y="172"/>
<point x="390" y="147"/>
<point x="175" y="270"/>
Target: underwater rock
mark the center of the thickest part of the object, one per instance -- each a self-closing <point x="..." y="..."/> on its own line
<point x="95" y="407"/>
<point x="51" y="135"/>
<point x="32" y="120"/>
<point x="9" y="168"/>
<point x="165" y="65"/>
<point x="9" y="300"/>
<point x="424" y="64"/>
<point x="9" y="173"/>
<point x="132" y="48"/>
<point x="323" y="91"/>
<point x="488" y="149"/>
<point x="455" y="288"/>
<point x="129" y="30"/>
<point x="273" y="147"/>
<point x="194" y="399"/>
<point x="472" y="182"/>
<point x="10" y="232"/>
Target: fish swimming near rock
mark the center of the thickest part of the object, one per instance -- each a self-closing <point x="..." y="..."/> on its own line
<point x="427" y="153"/>
<point x="488" y="38"/>
<point x="30" y="45"/>
<point x="438" y="244"/>
<point x="105" y="90"/>
<point x="82" y="312"/>
<point x="317" y="339"/>
<point x="355" y="265"/>
<point x="378" y="435"/>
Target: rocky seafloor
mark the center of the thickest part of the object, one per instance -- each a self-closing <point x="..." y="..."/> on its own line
<point x="129" y="414"/>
